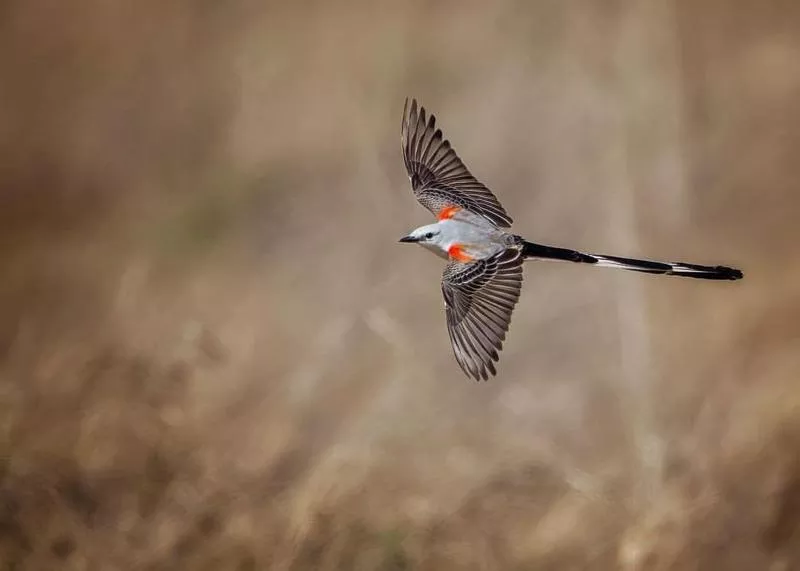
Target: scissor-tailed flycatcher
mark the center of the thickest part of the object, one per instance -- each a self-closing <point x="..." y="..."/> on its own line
<point x="482" y="279"/>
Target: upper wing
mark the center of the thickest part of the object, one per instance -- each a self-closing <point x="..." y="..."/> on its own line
<point x="479" y="298"/>
<point x="438" y="176"/>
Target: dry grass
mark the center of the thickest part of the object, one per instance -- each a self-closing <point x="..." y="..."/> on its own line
<point x="213" y="353"/>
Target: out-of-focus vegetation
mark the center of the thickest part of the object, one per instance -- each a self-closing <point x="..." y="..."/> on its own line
<point x="215" y="355"/>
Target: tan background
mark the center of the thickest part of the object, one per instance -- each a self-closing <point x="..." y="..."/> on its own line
<point x="216" y="356"/>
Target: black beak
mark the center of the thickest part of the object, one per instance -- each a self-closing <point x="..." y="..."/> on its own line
<point x="409" y="239"/>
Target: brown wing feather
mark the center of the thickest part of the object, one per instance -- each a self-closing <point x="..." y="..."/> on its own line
<point x="438" y="176"/>
<point x="479" y="299"/>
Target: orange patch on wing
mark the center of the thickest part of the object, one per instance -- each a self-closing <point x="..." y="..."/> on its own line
<point x="448" y="212"/>
<point x="456" y="252"/>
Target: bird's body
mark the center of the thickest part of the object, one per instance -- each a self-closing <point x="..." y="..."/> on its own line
<point x="466" y="235"/>
<point x="482" y="280"/>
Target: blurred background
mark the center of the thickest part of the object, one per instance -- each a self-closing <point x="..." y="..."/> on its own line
<point x="215" y="356"/>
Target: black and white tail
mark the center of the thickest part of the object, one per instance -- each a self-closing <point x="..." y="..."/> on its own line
<point x="531" y="250"/>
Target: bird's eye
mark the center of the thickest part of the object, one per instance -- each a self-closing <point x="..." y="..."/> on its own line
<point x="429" y="235"/>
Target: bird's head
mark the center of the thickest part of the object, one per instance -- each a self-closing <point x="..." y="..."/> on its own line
<point x="429" y="237"/>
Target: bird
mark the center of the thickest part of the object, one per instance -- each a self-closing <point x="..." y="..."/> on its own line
<point x="482" y="279"/>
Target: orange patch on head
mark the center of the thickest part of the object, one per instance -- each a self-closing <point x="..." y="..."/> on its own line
<point x="448" y="212"/>
<point x="456" y="252"/>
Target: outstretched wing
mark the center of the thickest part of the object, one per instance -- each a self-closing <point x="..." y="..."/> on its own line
<point x="479" y="298"/>
<point x="438" y="177"/>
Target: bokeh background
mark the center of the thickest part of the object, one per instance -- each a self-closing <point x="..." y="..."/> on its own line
<point x="215" y="356"/>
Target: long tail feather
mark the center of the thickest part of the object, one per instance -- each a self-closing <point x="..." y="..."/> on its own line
<point x="531" y="250"/>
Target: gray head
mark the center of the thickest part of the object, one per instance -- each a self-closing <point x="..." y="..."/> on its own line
<point x="429" y="237"/>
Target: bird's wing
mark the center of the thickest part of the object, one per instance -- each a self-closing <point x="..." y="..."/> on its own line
<point x="438" y="176"/>
<point x="479" y="298"/>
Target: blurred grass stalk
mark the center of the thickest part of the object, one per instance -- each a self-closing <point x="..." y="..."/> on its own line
<point x="646" y="157"/>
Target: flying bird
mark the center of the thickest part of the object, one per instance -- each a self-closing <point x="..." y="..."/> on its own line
<point x="483" y="276"/>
